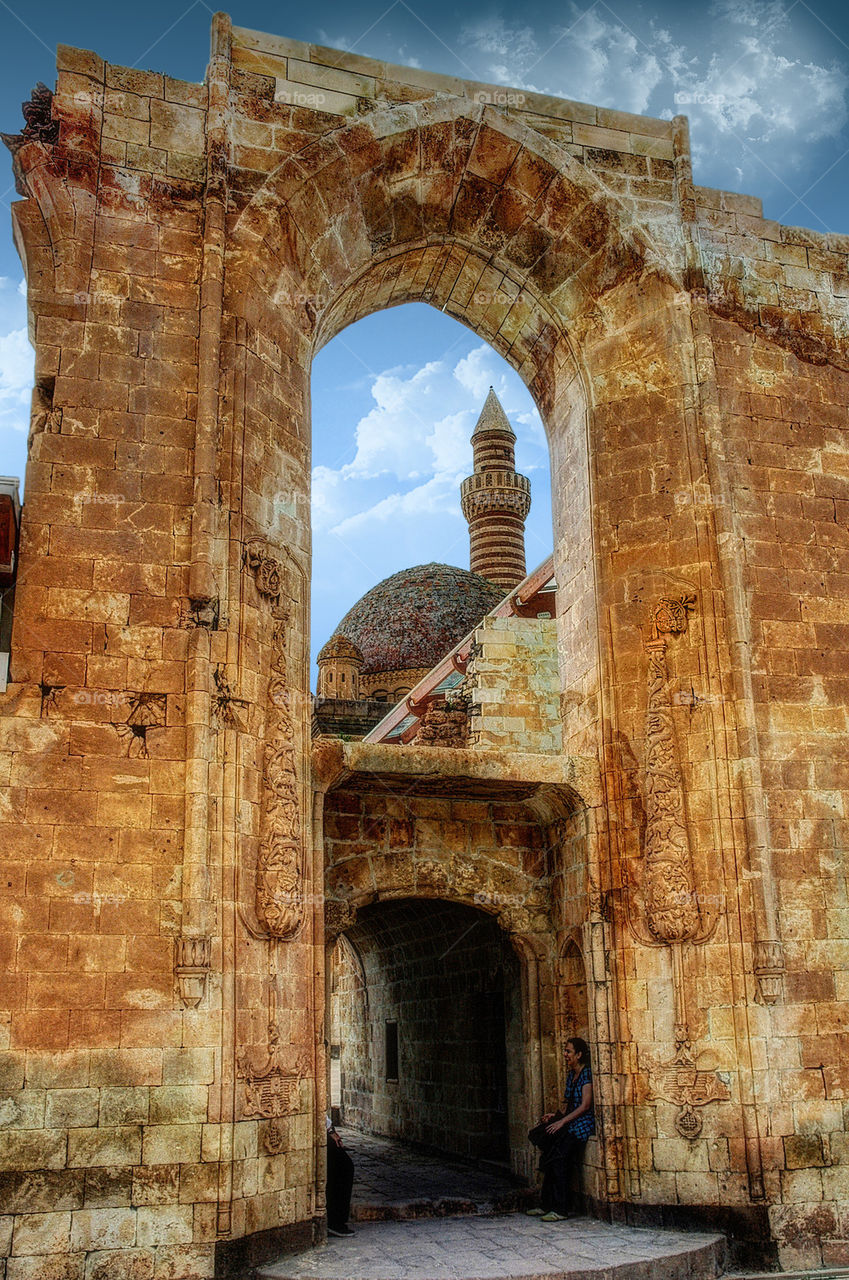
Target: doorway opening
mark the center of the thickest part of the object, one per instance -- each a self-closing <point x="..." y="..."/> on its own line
<point x="426" y="1027"/>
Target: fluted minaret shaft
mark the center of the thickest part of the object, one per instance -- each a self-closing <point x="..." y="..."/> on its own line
<point x="496" y="500"/>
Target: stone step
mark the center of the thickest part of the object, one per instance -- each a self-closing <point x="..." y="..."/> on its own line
<point x="403" y="1209"/>
<point x="514" y="1247"/>
<point x="809" y="1273"/>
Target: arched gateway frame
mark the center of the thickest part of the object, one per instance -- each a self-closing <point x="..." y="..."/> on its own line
<point x="415" y="870"/>
<point x="455" y="205"/>
<point x="178" y="290"/>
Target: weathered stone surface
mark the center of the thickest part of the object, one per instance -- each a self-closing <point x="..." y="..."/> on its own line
<point x="187" y="248"/>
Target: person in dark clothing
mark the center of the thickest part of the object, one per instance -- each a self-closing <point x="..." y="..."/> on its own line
<point x="565" y="1135"/>
<point x="340" y="1183"/>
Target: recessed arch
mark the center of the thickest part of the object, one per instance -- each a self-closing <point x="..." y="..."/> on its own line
<point x="446" y="977"/>
<point x="421" y="173"/>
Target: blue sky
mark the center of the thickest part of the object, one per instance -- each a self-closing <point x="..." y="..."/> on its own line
<point x="765" y="84"/>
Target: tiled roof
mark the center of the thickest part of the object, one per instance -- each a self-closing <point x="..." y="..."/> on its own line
<point x="413" y="618"/>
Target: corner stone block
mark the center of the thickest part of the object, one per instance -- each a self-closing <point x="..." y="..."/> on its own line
<point x="188" y="1066"/>
<point x="124" y="1264"/>
<point x="71" y="1108"/>
<point x="32" y="1149"/>
<point x="170" y="1143"/>
<point x="119" y="1146"/>
<point x="41" y="1267"/>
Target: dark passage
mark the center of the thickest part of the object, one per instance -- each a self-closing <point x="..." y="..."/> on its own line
<point x="424" y="1016"/>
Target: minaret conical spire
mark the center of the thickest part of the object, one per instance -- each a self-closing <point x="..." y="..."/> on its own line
<point x="496" y="499"/>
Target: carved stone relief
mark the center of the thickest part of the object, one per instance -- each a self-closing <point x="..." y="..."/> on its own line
<point x="669" y="888"/>
<point x="192" y="963"/>
<point x="269" y="1084"/>
<point x="279" y="890"/>
<point x="682" y="1082"/>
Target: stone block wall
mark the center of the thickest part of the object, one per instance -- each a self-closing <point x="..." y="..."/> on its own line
<point x="512" y="681"/>
<point x="187" y="249"/>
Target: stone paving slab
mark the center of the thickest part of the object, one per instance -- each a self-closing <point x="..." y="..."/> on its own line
<point x="394" y="1180"/>
<point x="506" y="1248"/>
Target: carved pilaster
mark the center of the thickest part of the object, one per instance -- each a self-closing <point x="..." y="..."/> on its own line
<point x="669" y="888"/>
<point x="280" y="871"/>
<point x="192" y="963"/>
<point x="769" y="969"/>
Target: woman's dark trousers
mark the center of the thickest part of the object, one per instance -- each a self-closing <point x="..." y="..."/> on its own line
<point x="558" y="1163"/>
<point x="340" y="1183"/>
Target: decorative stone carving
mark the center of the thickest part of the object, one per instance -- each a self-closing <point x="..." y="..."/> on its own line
<point x="280" y="906"/>
<point x="769" y="969"/>
<point x="192" y="963"/>
<point x="682" y="1082"/>
<point x="270" y="1087"/>
<point x="265" y="568"/>
<point x="228" y="711"/>
<point x="39" y="125"/>
<point x="274" y="1138"/>
<point x="147" y="711"/>
<point x="670" y="615"/>
<point x="669" y="890"/>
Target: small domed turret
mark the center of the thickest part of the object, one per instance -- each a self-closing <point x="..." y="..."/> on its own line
<point x="339" y="665"/>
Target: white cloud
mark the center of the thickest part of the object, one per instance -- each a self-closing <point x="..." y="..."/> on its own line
<point x="16" y="376"/>
<point x="504" y="40"/>
<point x="414" y="446"/>
<point x="589" y="58"/>
<point x="475" y="374"/>
<point x="744" y="85"/>
<point x="607" y="53"/>
<point x="434" y="496"/>
<point x="326" y="508"/>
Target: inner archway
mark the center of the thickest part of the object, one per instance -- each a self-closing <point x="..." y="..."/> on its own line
<point x="425" y="1022"/>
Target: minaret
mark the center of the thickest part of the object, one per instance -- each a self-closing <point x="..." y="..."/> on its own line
<point x="496" y="500"/>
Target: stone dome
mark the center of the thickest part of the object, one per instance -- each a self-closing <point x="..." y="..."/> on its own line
<point x="411" y="619"/>
<point x="339" y="646"/>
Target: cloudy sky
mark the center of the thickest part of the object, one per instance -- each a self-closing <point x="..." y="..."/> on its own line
<point x="764" y="82"/>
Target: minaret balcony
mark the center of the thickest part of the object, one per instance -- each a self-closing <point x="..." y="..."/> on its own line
<point x="487" y="491"/>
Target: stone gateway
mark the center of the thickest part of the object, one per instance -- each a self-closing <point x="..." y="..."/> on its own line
<point x="662" y="871"/>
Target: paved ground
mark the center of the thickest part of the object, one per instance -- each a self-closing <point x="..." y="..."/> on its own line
<point x="392" y="1180"/>
<point x="498" y="1248"/>
<point x="415" y="1239"/>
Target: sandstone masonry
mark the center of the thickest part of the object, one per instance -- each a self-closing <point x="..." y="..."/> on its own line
<point x="187" y="248"/>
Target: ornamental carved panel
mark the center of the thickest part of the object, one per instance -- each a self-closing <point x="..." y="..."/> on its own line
<point x="671" y="911"/>
<point x="275" y="904"/>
